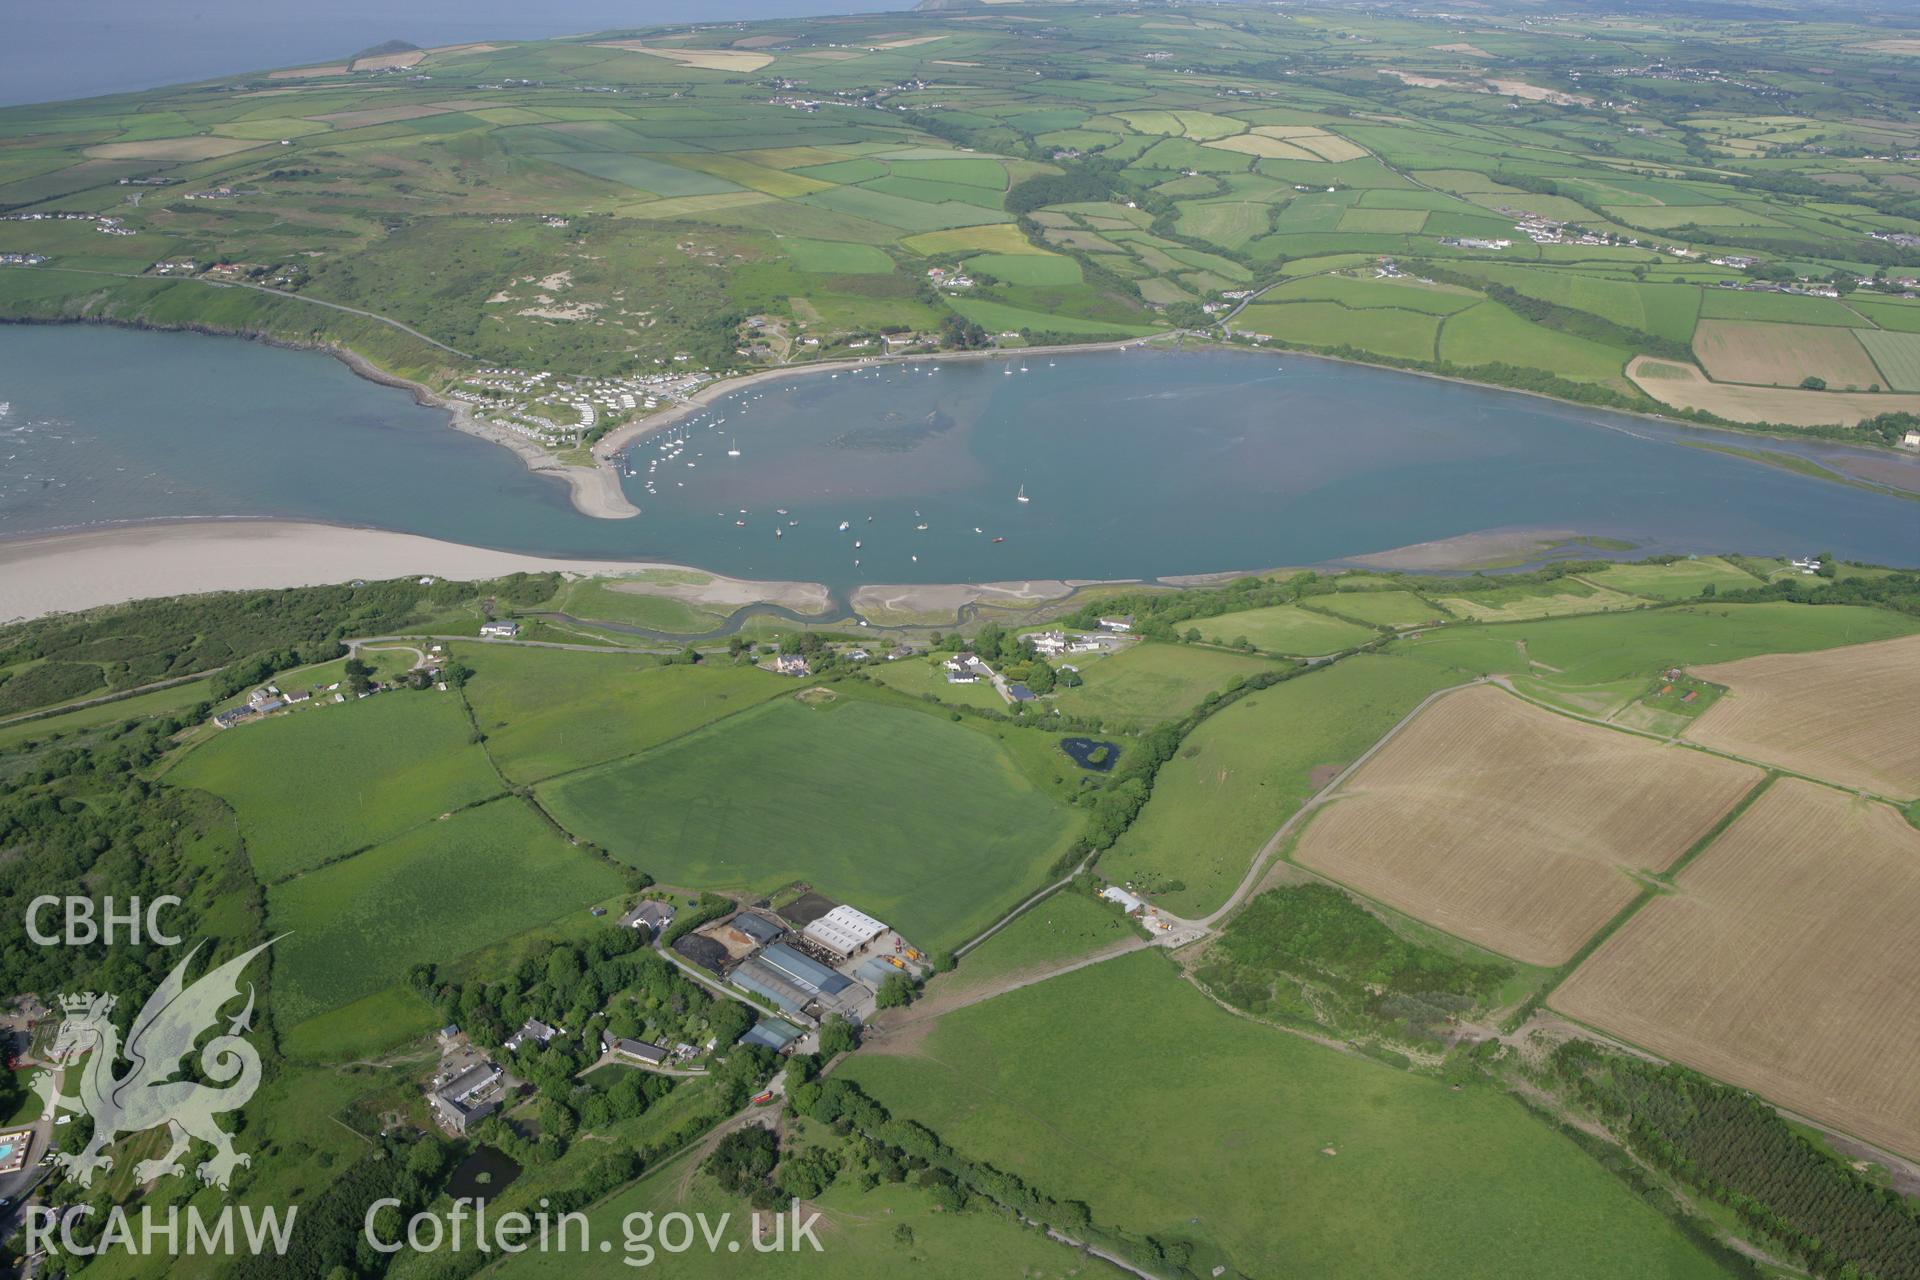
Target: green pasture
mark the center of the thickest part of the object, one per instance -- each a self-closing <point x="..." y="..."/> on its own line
<point x="1284" y="628"/>
<point x="1148" y="683"/>
<point x="140" y="706"/>
<point x="1059" y="929"/>
<point x="1280" y="1156"/>
<point x="1248" y="767"/>
<point x="1598" y="662"/>
<point x="551" y="711"/>
<point x="1490" y="332"/>
<point x="1389" y="331"/>
<point x="949" y="831"/>
<point x="923" y="678"/>
<point x="1897" y="354"/>
<point x="865" y="1235"/>
<point x="1027" y="268"/>
<point x="314" y="784"/>
<point x="1680" y="580"/>
<point x="428" y="897"/>
<point x="1379" y="608"/>
<point x="1728" y="304"/>
<point x="598" y="600"/>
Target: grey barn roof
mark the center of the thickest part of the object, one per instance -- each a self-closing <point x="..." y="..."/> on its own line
<point x="762" y="981"/>
<point x="771" y="1033"/>
<point x="804" y="970"/>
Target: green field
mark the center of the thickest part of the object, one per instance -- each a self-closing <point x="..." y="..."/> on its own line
<point x="948" y="832"/>
<point x="1491" y="332"/>
<point x="1381" y="608"/>
<point x="596" y="600"/>
<point x="315" y="784"/>
<point x="1897" y="354"/>
<point x="1599" y="662"/>
<point x="548" y="711"/>
<point x="430" y="896"/>
<point x="141" y="706"/>
<point x="921" y="677"/>
<point x="1680" y="580"/>
<point x="1279" y="1157"/>
<point x="1390" y="331"/>
<point x="1284" y="628"/>
<point x="1247" y="768"/>
<point x="861" y="1235"/>
<point x="1059" y="929"/>
<point x="1148" y="683"/>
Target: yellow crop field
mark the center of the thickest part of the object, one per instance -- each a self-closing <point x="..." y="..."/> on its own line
<point x="995" y="237"/>
<point x="1685" y="387"/>
<point x="1254" y="144"/>
<point x="739" y="60"/>
<point x="1782" y="354"/>
<point x="1514" y="827"/>
<point x="1787" y="963"/>
<point x="1332" y="147"/>
<point x="199" y="148"/>
<point x="1848" y="715"/>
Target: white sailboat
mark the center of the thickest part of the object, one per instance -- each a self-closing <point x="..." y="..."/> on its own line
<point x="733" y="450"/>
<point x="1022" y="495"/>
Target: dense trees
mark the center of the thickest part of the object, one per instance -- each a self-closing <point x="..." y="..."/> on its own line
<point x="1735" y="1148"/>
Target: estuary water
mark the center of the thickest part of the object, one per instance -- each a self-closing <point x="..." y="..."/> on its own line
<point x="1134" y="464"/>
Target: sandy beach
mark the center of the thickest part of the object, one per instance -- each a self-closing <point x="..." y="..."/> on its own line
<point x="1468" y="550"/>
<point x="65" y="572"/>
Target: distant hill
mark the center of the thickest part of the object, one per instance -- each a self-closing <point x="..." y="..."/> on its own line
<point x="384" y="48"/>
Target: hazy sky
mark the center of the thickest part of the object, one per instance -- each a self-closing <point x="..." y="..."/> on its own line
<point x="79" y="48"/>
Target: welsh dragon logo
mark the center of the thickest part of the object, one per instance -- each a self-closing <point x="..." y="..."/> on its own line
<point x="148" y="1096"/>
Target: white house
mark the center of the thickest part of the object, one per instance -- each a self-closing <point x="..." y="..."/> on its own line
<point x="1128" y="903"/>
<point x="502" y="629"/>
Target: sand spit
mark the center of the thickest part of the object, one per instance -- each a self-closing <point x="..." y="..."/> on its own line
<point x="67" y="572"/>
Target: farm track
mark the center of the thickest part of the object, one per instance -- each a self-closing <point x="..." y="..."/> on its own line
<point x="120" y="695"/>
<point x="389" y="321"/>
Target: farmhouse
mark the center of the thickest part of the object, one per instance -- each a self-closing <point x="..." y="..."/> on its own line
<point x="965" y="668"/>
<point x="1911" y="440"/>
<point x="500" y="630"/>
<point x="791" y="664"/>
<point x="844" y="930"/>
<point x="650" y="915"/>
<point x="470" y="1096"/>
<point x="532" y="1030"/>
<point x="1050" y="643"/>
<point x="1127" y="902"/>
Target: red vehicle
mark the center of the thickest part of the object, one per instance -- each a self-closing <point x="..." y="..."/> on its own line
<point x="762" y="1099"/>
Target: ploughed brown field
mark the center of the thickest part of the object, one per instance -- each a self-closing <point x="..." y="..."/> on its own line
<point x="1787" y="963"/>
<point x="1848" y="715"/>
<point x="1514" y="827"/>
